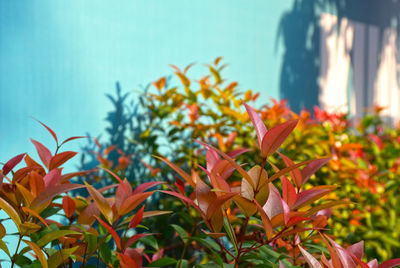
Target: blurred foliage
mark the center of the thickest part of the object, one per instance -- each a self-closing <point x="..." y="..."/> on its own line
<point x="365" y="152"/>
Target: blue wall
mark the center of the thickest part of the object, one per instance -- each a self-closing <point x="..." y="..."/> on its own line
<point x="59" y="58"/>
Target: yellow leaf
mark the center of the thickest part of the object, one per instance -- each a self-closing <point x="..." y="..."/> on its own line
<point x="2" y="231"/>
<point x="101" y="202"/>
<point x="34" y="213"/>
<point x="39" y="253"/>
<point x="28" y="228"/>
<point x="58" y="257"/>
<point x="10" y="211"/>
<point x="3" y="246"/>
<point x="26" y="194"/>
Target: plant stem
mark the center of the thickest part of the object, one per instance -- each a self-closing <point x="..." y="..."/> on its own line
<point x="13" y="260"/>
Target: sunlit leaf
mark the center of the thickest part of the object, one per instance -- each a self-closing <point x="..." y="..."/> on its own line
<point x="313" y="262"/>
<point x="101" y="202"/>
<point x="273" y="139"/>
<point x="39" y="253"/>
<point x="11" y="212"/>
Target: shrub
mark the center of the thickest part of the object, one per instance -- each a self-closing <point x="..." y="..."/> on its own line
<point x="222" y="215"/>
<point x="59" y="229"/>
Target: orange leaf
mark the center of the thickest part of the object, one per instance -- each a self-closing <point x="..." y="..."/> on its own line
<point x="101" y="202"/>
<point x="34" y="213"/>
<point x="36" y="183"/>
<point x="132" y="202"/>
<point x="182" y="173"/>
<point x="60" y="159"/>
<point x="68" y="206"/>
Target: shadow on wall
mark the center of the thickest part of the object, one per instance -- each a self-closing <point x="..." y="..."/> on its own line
<point x="299" y="31"/>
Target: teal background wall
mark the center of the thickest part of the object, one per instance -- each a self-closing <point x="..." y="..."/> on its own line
<point x="59" y="58"/>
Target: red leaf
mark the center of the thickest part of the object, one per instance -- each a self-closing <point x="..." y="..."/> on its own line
<point x="52" y="178"/>
<point x="308" y="196"/>
<point x="258" y="124"/>
<point x="126" y="262"/>
<point x="231" y="161"/>
<point x="124" y="186"/>
<point x="357" y="249"/>
<point x="390" y="263"/>
<point x="44" y="153"/>
<point x="296" y="220"/>
<point x="273" y="139"/>
<point x="217" y="204"/>
<point x="183" y="198"/>
<point x="50" y="130"/>
<point x="60" y="159"/>
<point x="137" y="218"/>
<point x="52" y="192"/>
<point x="266" y="221"/>
<point x="147" y="185"/>
<point x="377" y="141"/>
<point x="287" y="170"/>
<point x="285" y="207"/>
<point x="334" y="257"/>
<point x="73" y="138"/>
<point x="212" y="159"/>
<point x="238" y="152"/>
<point x="180" y="185"/>
<point x="343" y="255"/>
<point x="295" y="173"/>
<point x="12" y="163"/>
<point x="313" y="167"/>
<point x="111" y="231"/>
<point x="69" y="206"/>
<point x="288" y="192"/>
<point x="134" y="238"/>
<point x="121" y="195"/>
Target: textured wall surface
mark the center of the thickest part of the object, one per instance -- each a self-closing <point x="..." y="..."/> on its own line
<point x="59" y="58"/>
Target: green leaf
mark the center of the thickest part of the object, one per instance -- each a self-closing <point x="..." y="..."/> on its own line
<point x="105" y="252"/>
<point x="60" y="257"/>
<point x="163" y="262"/>
<point x="181" y="232"/>
<point x="150" y="241"/>
<point x="91" y="242"/>
<point x="47" y="238"/>
<point x="231" y="235"/>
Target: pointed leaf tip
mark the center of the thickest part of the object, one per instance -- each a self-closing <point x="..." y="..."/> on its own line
<point x="258" y="124"/>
